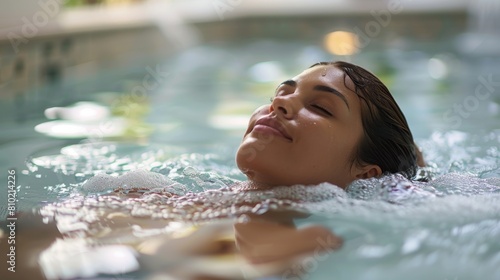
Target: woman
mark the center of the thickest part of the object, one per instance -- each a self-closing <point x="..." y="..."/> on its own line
<point x="335" y="122"/>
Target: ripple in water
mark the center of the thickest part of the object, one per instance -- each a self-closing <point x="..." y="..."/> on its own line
<point x="86" y="160"/>
<point x="197" y="187"/>
<point x="453" y="218"/>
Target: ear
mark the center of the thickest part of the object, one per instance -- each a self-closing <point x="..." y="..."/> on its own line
<point x="368" y="171"/>
<point x="420" y="157"/>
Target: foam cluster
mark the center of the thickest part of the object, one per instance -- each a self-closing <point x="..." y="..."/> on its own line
<point x="137" y="179"/>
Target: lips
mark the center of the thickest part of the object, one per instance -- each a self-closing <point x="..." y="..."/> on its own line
<point x="272" y="125"/>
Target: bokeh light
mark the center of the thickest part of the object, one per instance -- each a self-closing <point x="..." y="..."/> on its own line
<point x="341" y="43"/>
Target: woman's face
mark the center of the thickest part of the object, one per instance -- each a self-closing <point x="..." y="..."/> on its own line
<point x="307" y="134"/>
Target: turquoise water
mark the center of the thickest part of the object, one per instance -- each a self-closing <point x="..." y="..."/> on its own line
<point x="446" y="228"/>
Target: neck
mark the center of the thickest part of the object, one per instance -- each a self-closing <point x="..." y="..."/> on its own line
<point x="251" y="185"/>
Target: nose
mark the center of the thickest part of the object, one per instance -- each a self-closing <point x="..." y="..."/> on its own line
<point x="283" y="105"/>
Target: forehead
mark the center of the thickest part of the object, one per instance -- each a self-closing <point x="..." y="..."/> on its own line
<point x="328" y="75"/>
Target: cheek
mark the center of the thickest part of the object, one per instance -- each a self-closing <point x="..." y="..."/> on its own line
<point x="323" y="136"/>
<point x="327" y="145"/>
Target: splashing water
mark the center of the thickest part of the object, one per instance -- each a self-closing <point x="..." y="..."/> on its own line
<point x="393" y="228"/>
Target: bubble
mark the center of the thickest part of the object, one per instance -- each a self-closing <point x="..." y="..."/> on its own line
<point x="420" y="219"/>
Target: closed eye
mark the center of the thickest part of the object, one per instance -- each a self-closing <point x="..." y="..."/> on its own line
<point x="323" y="110"/>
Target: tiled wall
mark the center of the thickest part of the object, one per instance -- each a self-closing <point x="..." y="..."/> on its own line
<point x="53" y="71"/>
<point x="422" y="27"/>
<point x="56" y="70"/>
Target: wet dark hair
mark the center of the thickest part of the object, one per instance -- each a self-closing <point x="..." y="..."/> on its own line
<point x="387" y="140"/>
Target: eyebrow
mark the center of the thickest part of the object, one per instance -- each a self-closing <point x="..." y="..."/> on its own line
<point x="289" y="83"/>
<point x="320" y="88"/>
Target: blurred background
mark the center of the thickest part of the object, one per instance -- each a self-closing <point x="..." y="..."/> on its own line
<point x="190" y="72"/>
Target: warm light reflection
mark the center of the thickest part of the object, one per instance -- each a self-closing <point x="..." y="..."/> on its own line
<point x="341" y="43"/>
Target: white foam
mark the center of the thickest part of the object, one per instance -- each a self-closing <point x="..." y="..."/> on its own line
<point x="313" y="193"/>
<point x="134" y="179"/>
<point x="465" y="184"/>
<point x="393" y="188"/>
